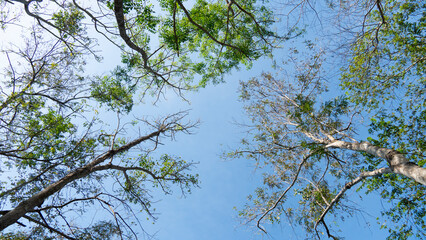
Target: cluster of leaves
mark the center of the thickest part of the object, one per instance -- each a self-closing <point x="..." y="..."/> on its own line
<point x="159" y="172"/>
<point x="239" y="34"/>
<point x="99" y="231"/>
<point x="69" y="21"/>
<point x="388" y="60"/>
<point x="115" y="90"/>
<point x="197" y="45"/>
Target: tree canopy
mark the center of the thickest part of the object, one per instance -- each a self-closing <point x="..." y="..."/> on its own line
<point x="344" y="111"/>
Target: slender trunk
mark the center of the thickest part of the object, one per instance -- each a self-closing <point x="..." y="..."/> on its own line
<point x="397" y="161"/>
<point x="36" y="200"/>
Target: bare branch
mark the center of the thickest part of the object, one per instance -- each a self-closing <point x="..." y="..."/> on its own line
<point x="284" y="193"/>
<point x="345" y="188"/>
<point x="49" y="227"/>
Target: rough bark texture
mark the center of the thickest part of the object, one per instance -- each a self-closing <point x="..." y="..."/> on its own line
<point x="397" y="161"/>
<point x="28" y="205"/>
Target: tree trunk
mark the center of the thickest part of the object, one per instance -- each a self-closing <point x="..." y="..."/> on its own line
<point x="397" y="161"/>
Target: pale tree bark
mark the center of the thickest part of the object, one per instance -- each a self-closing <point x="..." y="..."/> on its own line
<point x="36" y="200"/>
<point x="397" y="161"/>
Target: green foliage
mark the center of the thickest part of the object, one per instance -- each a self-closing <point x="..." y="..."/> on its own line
<point x="388" y="60"/>
<point x="166" y="169"/>
<point x="14" y="236"/>
<point x="103" y="230"/>
<point x="68" y="21"/>
<point x="143" y="10"/>
<point x="115" y="90"/>
<point x="198" y="45"/>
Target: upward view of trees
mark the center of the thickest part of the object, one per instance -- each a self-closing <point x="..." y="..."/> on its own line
<point x="344" y="111"/>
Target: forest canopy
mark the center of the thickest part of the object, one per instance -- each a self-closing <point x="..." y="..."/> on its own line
<point x="337" y="105"/>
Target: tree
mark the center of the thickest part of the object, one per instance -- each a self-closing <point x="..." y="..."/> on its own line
<point x="313" y="144"/>
<point x="61" y="159"/>
<point x="61" y="156"/>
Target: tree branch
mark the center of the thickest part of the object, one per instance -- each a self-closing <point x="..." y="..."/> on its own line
<point x="207" y="32"/>
<point x="125" y="169"/>
<point x="284" y="193"/>
<point x="345" y="188"/>
<point x="121" y="23"/>
<point x="41" y="20"/>
<point x="398" y="163"/>
<point x="49" y="227"/>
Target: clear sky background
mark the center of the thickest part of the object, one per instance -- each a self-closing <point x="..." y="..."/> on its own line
<point x="208" y="213"/>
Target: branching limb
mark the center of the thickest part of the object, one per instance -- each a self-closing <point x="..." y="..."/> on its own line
<point x="67" y="203"/>
<point x="29" y="181"/>
<point x="41" y="20"/>
<point x="258" y="28"/>
<point x="284" y="193"/>
<point x="380" y="8"/>
<point x="96" y="21"/>
<point x="117" y="217"/>
<point x="121" y="24"/>
<point x="125" y="169"/>
<point x="397" y="161"/>
<point x="49" y="227"/>
<point x="345" y="188"/>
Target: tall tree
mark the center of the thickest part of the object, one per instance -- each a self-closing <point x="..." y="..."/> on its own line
<point x="313" y="145"/>
<point x="57" y="155"/>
